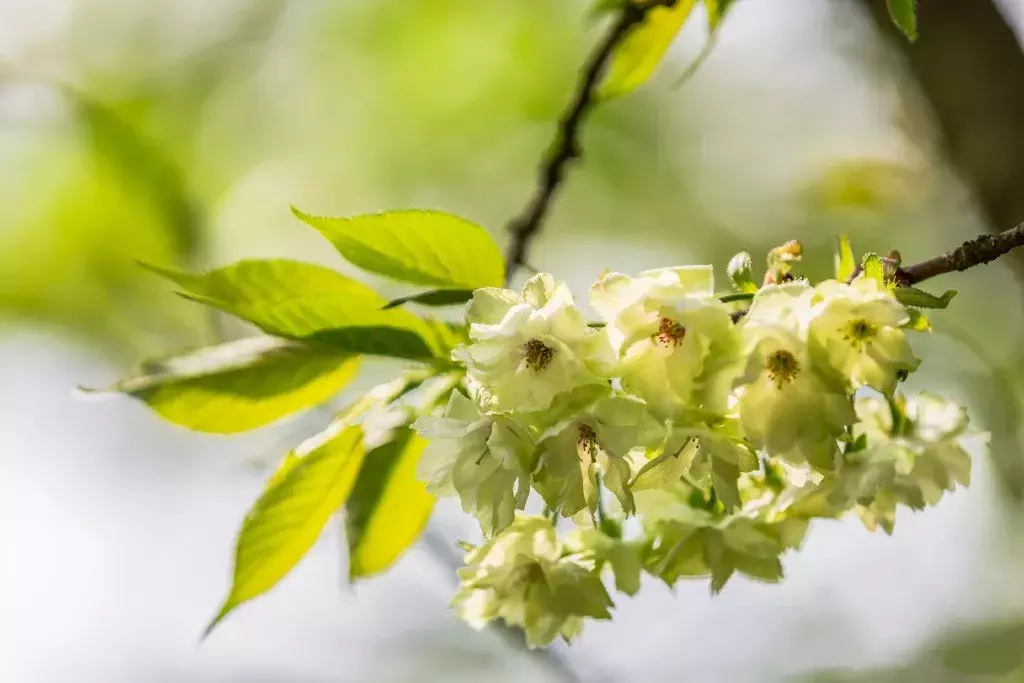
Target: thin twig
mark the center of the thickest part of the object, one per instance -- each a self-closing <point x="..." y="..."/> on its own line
<point x="567" y="146"/>
<point x="976" y="252"/>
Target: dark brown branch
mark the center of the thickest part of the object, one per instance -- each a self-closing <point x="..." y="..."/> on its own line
<point x="969" y="65"/>
<point x="567" y="146"/>
<point x="976" y="252"/>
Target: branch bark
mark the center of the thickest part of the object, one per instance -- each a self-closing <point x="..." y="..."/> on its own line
<point x="567" y="146"/>
<point x="976" y="252"/>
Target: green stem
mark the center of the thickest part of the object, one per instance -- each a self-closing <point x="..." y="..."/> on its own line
<point x="738" y="296"/>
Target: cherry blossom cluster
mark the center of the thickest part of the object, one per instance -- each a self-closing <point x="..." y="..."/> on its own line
<point x="710" y="427"/>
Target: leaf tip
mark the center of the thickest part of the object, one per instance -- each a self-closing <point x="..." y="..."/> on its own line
<point x="215" y="622"/>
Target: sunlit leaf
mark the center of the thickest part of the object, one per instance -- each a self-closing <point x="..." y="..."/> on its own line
<point x="287" y="519"/>
<point x="435" y="297"/>
<point x="874" y="268"/>
<point x="308" y="302"/>
<point x="389" y="506"/>
<point x="639" y="55"/>
<point x="418" y="247"/>
<point x="904" y="15"/>
<point x="845" y="261"/>
<point x="241" y="385"/>
<point x="912" y="296"/>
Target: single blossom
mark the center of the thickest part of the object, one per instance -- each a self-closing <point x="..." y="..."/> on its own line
<point x="669" y="339"/>
<point x="480" y="458"/>
<point x="529" y="348"/>
<point x="785" y="406"/>
<point x="598" y="441"/>
<point x="526" y="577"/>
<point x="910" y="460"/>
<point x="856" y="331"/>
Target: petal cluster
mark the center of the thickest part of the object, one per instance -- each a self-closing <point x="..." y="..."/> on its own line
<point x="725" y="422"/>
<point x="528" y="578"/>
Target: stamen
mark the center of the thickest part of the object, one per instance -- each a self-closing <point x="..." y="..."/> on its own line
<point x="537" y="354"/>
<point x="587" y="442"/>
<point x="858" y="332"/>
<point x="670" y="333"/>
<point x="782" y="367"/>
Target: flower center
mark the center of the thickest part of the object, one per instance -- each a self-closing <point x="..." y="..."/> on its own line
<point x="857" y="332"/>
<point x="670" y="333"/>
<point x="782" y="367"/>
<point x="587" y="442"/>
<point x="537" y="354"/>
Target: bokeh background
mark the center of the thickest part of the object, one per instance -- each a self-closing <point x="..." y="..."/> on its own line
<point x="179" y="131"/>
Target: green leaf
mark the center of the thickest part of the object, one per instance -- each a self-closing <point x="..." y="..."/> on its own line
<point x="638" y="56"/>
<point x="287" y="519"/>
<point x="142" y="163"/>
<point x="846" y="264"/>
<point x="418" y="247"/>
<point x="904" y="15"/>
<point x="912" y="296"/>
<point x="740" y="270"/>
<point x="435" y="297"/>
<point x="241" y="385"/>
<point x="389" y="506"/>
<point x="874" y="267"/>
<point x="308" y="302"/>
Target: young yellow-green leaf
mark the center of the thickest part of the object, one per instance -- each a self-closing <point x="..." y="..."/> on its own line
<point x="639" y="55"/>
<point x="241" y="385"/>
<point x="918" y="321"/>
<point x="435" y="297"/>
<point x="308" y="302"/>
<point x="287" y="519"/>
<point x="874" y="268"/>
<point x="904" y="15"/>
<point x="389" y="506"/>
<point x="912" y="296"/>
<point x="844" y="259"/>
<point x="741" y="272"/>
<point x="419" y="247"/>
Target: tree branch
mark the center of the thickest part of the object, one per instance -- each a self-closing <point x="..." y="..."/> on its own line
<point x="976" y="252"/>
<point x="567" y="146"/>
